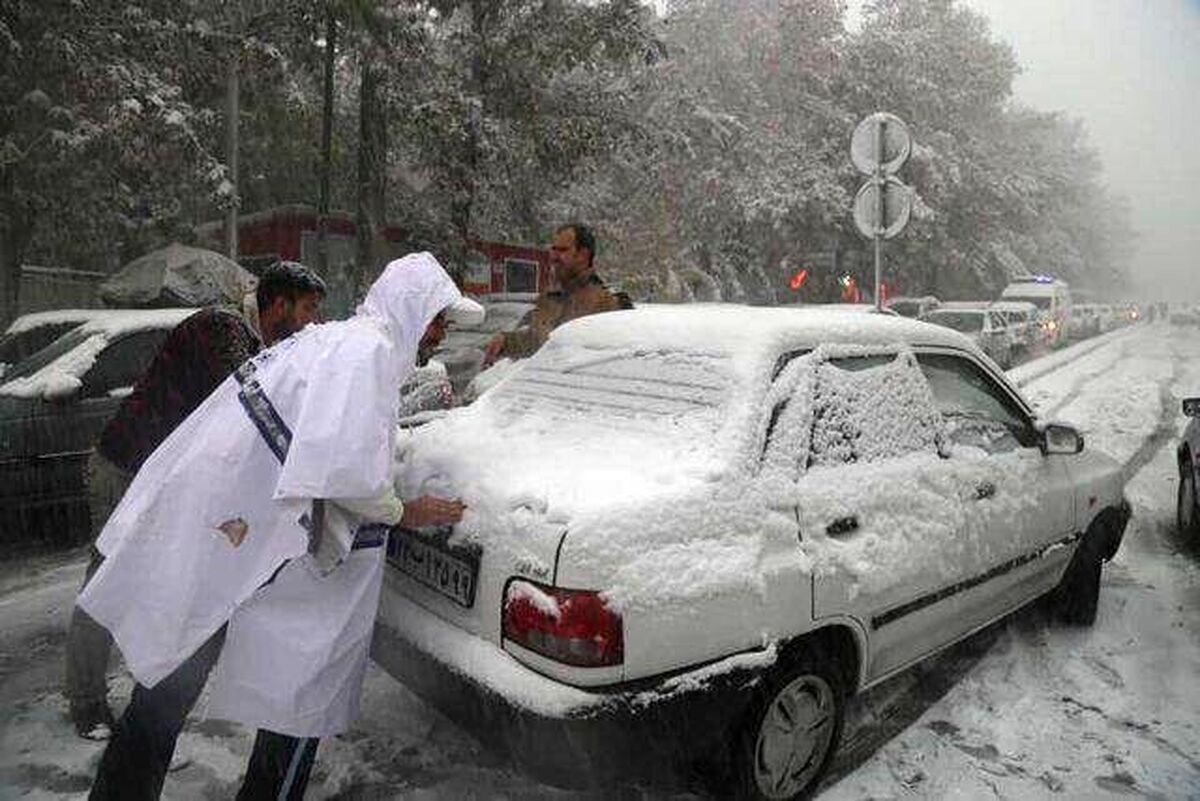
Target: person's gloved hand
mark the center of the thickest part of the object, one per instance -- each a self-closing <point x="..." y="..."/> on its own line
<point x="430" y="510"/>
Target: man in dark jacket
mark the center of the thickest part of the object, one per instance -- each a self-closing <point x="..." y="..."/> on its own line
<point x="195" y="358"/>
<point x="580" y="293"/>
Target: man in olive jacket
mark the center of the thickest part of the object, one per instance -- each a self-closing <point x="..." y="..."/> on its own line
<point x="580" y="293"/>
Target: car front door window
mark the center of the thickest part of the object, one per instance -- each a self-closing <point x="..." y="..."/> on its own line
<point x="977" y="411"/>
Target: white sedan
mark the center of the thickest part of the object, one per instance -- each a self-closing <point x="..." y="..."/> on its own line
<point x="694" y="531"/>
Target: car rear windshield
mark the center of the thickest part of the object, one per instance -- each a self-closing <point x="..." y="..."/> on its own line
<point x="621" y="387"/>
<point x="966" y="322"/>
<point x="59" y="347"/>
<point x="906" y="308"/>
<point x="20" y="345"/>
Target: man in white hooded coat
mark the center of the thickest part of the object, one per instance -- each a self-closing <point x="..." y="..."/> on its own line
<point x="208" y="554"/>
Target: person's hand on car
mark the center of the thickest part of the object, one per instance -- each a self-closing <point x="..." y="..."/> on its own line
<point x="494" y="347"/>
<point x="430" y="510"/>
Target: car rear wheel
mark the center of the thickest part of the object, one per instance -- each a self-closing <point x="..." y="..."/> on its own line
<point x="1187" y="515"/>
<point x="791" y="731"/>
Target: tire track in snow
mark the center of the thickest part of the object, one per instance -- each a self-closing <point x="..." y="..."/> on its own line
<point x="1165" y="431"/>
<point x="1083" y="381"/>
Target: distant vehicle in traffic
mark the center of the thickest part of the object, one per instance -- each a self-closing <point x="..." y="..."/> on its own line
<point x="463" y="348"/>
<point x="1052" y="297"/>
<point x="1022" y="319"/>
<point x="53" y="406"/>
<point x="913" y="306"/>
<point x="987" y="328"/>
<point x="1085" y="321"/>
<point x="701" y="529"/>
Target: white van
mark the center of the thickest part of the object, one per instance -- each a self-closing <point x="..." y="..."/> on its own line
<point x="1052" y="297"/>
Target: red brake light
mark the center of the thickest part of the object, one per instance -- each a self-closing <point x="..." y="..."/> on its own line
<point x="575" y="627"/>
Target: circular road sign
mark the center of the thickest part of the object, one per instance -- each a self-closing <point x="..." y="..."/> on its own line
<point x="881" y="141"/>
<point x="896" y="208"/>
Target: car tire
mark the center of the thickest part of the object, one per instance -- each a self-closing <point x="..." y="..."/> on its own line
<point x="1187" y="510"/>
<point x="1079" y="591"/>
<point x="796" y="717"/>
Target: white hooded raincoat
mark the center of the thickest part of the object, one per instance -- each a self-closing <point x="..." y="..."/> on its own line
<point x="214" y="514"/>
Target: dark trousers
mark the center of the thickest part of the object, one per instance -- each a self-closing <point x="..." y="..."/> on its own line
<point x="88" y="647"/>
<point x="134" y="765"/>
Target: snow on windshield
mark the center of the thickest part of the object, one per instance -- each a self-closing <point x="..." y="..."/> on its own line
<point x="576" y="427"/>
<point x="964" y="321"/>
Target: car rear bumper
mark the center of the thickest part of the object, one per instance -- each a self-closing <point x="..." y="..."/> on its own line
<point x="653" y="732"/>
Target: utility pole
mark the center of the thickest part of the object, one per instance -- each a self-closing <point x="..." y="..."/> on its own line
<point x="326" y="143"/>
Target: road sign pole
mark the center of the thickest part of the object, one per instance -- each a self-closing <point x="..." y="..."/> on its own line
<point x="880" y="208"/>
<point x="879" y="147"/>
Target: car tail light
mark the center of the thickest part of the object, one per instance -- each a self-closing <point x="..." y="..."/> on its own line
<point x="575" y="627"/>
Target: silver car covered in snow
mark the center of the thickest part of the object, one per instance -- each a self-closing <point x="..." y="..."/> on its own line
<point x="695" y="531"/>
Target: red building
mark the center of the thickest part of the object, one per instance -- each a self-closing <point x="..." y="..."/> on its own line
<point x="290" y="233"/>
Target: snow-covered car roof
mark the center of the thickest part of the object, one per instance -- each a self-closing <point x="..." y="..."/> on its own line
<point x="736" y="330"/>
<point x="69" y="357"/>
<point x="961" y="305"/>
<point x="28" y="322"/>
<point x="1014" y="305"/>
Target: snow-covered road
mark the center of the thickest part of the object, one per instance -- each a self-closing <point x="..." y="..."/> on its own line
<point x="1026" y="709"/>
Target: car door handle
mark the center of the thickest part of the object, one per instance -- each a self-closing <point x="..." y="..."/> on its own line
<point x="843" y="525"/>
<point x="985" y="489"/>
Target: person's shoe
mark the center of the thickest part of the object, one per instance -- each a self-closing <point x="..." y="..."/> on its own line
<point x="92" y="721"/>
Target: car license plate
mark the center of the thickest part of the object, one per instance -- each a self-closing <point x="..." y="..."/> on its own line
<point x="451" y="570"/>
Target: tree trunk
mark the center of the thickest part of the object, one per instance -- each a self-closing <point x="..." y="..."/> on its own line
<point x="326" y="142"/>
<point x="10" y="273"/>
<point x="371" y="216"/>
<point x="463" y="208"/>
<point x="16" y="229"/>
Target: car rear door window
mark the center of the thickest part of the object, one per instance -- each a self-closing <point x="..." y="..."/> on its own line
<point x="869" y="408"/>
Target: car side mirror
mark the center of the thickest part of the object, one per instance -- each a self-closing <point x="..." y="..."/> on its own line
<point x="1061" y="439"/>
<point x="1191" y="407"/>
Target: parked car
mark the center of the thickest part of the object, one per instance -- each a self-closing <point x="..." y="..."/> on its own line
<point x="695" y="531"/>
<point x="913" y="307"/>
<point x="1187" y="505"/>
<point x="988" y="329"/>
<point x="29" y="333"/>
<point x="53" y="406"/>
<point x="1022" y="320"/>
<point x="1052" y="296"/>
<point x="463" y="348"/>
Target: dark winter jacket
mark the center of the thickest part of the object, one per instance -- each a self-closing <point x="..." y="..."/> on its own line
<point x="197" y="356"/>
<point x="557" y="307"/>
